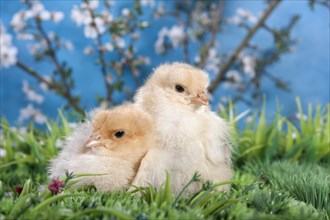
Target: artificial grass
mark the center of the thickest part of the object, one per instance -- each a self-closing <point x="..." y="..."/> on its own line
<point x="277" y="176"/>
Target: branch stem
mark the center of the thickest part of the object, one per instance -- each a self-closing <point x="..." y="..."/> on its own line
<point x="221" y="75"/>
<point x="214" y="30"/>
<point x="109" y="89"/>
<point x="52" y="85"/>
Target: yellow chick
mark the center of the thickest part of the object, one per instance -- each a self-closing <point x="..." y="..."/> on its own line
<point x="112" y="143"/>
<point x="190" y="137"/>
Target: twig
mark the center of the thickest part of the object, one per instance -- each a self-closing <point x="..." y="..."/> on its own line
<point x="214" y="30"/>
<point x="62" y="88"/>
<point x="278" y="81"/>
<point x="66" y="94"/>
<point x="33" y="73"/>
<point x="108" y="86"/>
<point x="221" y="75"/>
<point x="185" y="42"/>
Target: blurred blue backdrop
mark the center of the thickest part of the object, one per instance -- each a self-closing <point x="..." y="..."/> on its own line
<point x="306" y="68"/>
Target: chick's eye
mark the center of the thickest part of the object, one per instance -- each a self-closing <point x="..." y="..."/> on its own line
<point x="179" y="88"/>
<point x="119" y="134"/>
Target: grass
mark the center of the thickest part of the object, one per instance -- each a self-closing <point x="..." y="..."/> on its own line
<point x="282" y="171"/>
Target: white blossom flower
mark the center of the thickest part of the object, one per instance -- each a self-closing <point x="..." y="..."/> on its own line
<point x="177" y="35"/>
<point x="8" y="56"/>
<point x="135" y="36"/>
<point x="243" y="13"/>
<point x="30" y="94"/>
<point x="39" y="118"/>
<point x="294" y="136"/>
<point x="94" y="28"/>
<point x="3" y="152"/>
<point x="18" y="20"/>
<point x="159" y="45"/>
<point x="144" y="24"/>
<point x="234" y="79"/>
<point x="213" y="60"/>
<point x="57" y="16"/>
<point x="38" y="10"/>
<point x="197" y="59"/>
<point x="44" y="86"/>
<point x="160" y="11"/>
<point x="8" y="52"/>
<point x="236" y="20"/>
<point x="147" y="61"/>
<point x="120" y="42"/>
<point x="80" y="17"/>
<point x="234" y="75"/>
<point x="68" y="45"/>
<point x="25" y="36"/>
<point x="249" y="65"/>
<point x="107" y="47"/>
<point x="203" y="18"/>
<point x="163" y="32"/>
<point x="44" y="15"/>
<point x="143" y="60"/>
<point x="94" y="4"/>
<point x="37" y="47"/>
<point x="106" y="16"/>
<point x="146" y="3"/>
<point x="125" y="12"/>
<point x="88" y="50"/>
<point x="30" y="112"/>
<point x="51" y="35"/>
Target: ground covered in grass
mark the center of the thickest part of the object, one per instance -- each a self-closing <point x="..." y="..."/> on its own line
<point x="282" y="171"/>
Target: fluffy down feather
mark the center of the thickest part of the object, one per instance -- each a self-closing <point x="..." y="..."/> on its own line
<point x="111" y="143"/>
<point x="190" y="137"/>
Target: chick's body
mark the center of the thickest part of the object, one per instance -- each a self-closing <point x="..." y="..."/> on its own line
<point x="190" y="137"/>
<point x="112" y="144"/>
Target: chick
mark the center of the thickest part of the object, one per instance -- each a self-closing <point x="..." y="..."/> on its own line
<point x="111" y="144"/>
<point x="190" y="137"/>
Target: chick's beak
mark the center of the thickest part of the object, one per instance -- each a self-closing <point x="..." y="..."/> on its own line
<point x="200" y="99"/>
<point x="94" y="140"/>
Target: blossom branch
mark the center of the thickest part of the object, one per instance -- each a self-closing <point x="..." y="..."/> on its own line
<point x="214" y="30"/>
<point x="59" y="69"/>
<point x="33" y="73"/>
<point x="221" y="75"/>
<point x="52" y="85"/>
<point x="280" y="83"/>
<point x="185" y="41"/>
<point x="65" y="84"/>
<point x="108" y="86"/>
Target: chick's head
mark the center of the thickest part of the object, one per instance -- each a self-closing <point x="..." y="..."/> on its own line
<point x="125" y="132"/>
<point x="177" y="83"/>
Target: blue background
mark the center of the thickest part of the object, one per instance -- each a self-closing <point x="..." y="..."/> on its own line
<point x="307" y="69"/>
